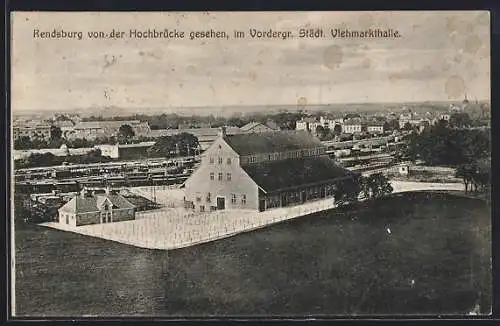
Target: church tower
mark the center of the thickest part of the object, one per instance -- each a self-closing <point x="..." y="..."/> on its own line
<point x="465" y="102"/>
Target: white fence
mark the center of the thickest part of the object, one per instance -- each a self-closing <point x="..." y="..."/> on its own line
<point x="177" y="228"/>
<point x="170" y="228"/>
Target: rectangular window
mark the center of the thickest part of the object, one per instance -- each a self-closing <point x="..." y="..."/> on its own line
<point x="209" y="197"/>
<point x="233" y="199"/>
<point x="220" y="160"/>
<point x="228" y="176"/>
<point x="198" y="199"/>
<point x="228" y="160"/>
<point x="243" y="199"/>
<point x="212" y="176"/>
<point x="202" y="208"/>
<point x="220" y="176"/>
<point x="211" y="160"/>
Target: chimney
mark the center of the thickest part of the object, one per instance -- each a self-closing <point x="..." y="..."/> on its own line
<point x="83" y="192"/>
<point x="222" y="131"/>
<point x="108" y="190"/>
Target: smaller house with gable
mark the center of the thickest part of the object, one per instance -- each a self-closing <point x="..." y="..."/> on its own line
<point x="90" y="208"/>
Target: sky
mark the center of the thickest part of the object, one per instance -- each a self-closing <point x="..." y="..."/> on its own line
<point x="440" y="56"/>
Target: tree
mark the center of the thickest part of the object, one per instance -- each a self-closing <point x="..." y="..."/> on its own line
<point x="23" y="142"/>
<point x="379" y="185"/>
<point x="164" y="147"/>
<point x="375" y="186"/>
<point x="55" y="133"/>
<point x="441" y="145"/>
<point x="348" y="190"/>
<point x="392" y="124"/>
<point x="407" y="126"/>
<point x="460" y="120"/>
<point x="186" y="144"/>
<point x="169" y="146"/>
<point x="476" y="174"/>
<point x="322" y="132"/>
<point x="337" y="130"/>
<point x="125" y="133"/>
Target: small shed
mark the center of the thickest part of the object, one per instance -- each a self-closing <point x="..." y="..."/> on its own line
<point x="404" y="169"/>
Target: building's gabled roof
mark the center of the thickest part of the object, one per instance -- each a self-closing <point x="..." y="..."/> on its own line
<point x="271" y="142"/>
<point x="352" y="116"/>
<point x="89" y="204"/>
<point x="63" y="124"/>
<point x="251" y="125"/>
<point x="198" y="132"/>
<point x="280" y="175"/>
<point x="375" y="123"/>
<point x="353" y="122"/>
<point x="308" y="119"/>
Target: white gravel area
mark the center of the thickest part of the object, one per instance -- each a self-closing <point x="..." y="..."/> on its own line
<point x="173" y="227"/>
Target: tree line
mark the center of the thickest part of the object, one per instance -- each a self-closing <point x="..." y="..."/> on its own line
<point x="285" y="120"/>
<point x="49" y="159"/>
<point x="370" y="187"/>
<point x="466" y="150"/>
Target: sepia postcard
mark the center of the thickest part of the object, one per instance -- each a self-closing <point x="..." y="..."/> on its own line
<point x="250" y="164"/>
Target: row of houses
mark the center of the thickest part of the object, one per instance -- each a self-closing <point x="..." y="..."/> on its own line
<point x="92" y="130"/>
<point x="354" y="123"/>
<point x="31" y="129"/>
<point x="88" y="130"/>
<point x="350" y="124"/>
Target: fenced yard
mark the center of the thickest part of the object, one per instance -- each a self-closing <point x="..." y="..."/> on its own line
<point x="174" y="227"/>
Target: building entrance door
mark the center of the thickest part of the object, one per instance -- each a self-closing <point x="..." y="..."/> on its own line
<point x="262" y="205"/>
<point x="221" y="203"/>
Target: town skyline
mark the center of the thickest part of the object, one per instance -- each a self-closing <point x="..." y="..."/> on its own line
<point x="135" y="73"/>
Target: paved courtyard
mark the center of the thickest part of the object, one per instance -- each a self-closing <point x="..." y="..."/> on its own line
<point x="173" y="227"/>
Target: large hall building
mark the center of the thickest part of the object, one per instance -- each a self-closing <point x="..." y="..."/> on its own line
<point x="260" y="171"/>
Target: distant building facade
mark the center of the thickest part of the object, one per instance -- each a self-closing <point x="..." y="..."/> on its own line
<point x="31" y="130"/>
<point x="409" y="117"/>
<point x="101" y="129"/>
<point x="312" y="124"/>
<point x="352" y="126"/>
<point x="375" y="127"/>
<point x="260" y="171"/>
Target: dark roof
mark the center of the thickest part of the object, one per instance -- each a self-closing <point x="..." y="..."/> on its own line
<point x="80" y="204"/>
<point x="352" y="116"/>
<point x="251" y="125"/>
<point x="353" y="122"/>
<point x="273" y="125"/>
<point x="376" y="123"/>
<point x="280" y="175"/>
<point x="198" y="132"/>
<point x="272" y="142"/>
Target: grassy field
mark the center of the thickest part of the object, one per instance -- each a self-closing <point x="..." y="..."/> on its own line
<point x="330" y="263"/>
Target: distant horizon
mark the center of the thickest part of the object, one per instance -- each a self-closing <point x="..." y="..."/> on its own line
<point x="259" y="108"/>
